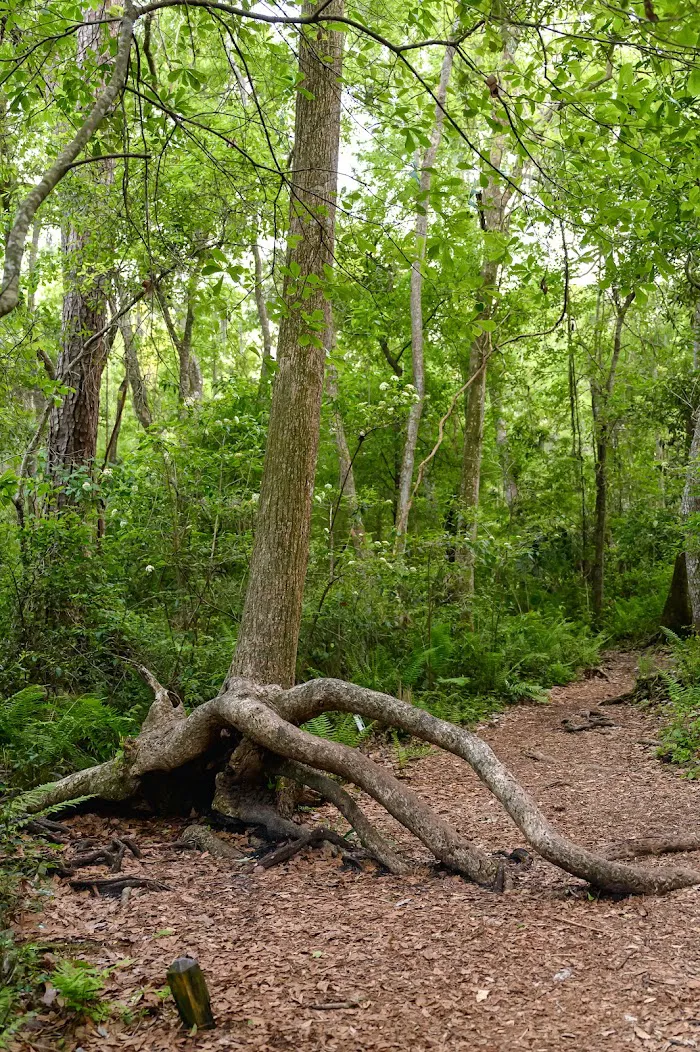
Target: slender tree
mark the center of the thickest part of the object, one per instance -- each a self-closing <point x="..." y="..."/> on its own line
<point x="602" y="386"/>
<point x="415" y="414"/>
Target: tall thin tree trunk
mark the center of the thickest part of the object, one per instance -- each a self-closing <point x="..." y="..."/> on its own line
<point x="346" y="479"/>
<point x="492" y="203"/>
<point x="269" y="631"/>
<point x="263" y="317"/>
<point x="475" y="408"/>
<point x="600" y="404"/>
<point x="418" y="377"/>
<point x="189" y="372"/>
<point x="690" y="503"/>
<point x="139" y="394"/>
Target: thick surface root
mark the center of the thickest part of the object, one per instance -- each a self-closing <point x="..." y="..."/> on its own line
<point x="369" y="835"/>
<point x="269" y="718"/>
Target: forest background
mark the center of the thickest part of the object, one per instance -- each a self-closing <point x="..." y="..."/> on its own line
<point x="507" y="476"/>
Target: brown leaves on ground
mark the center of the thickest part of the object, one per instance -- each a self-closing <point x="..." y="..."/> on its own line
<point x="309" y="956"/>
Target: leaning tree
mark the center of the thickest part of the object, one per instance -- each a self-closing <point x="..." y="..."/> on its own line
<point x="229" y="750"/>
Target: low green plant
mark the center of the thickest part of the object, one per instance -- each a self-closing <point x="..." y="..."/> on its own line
<point x="80" y="987"/>
<point x="676" y="694"/>
<point x="43" y="737"/>
<point x="339" y="727"/>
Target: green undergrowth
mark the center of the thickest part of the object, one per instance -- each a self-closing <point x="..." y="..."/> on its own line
<point x="43" y="737"/>
<point x="675" y="693"/>
<point x="27" y="973"/>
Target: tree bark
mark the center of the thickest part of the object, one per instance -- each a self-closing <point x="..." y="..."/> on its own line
<point x="139" y="393"/>
<point x="74" y="422"/>
<point x="268" y="636"/>
<point x="690" y="502"/>
<point x="601" y="394"/>
<point x="417" y="357"/>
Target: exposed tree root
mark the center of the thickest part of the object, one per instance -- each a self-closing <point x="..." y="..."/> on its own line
<point x="269" y="718"/>
<point x="201" y="838"/>
<point x="369" y="835"/>
<point x="653" y="845"/>
<point x="309" y="837"/>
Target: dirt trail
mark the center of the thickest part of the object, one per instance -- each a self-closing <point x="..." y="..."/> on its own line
<point x="431" y="963"/>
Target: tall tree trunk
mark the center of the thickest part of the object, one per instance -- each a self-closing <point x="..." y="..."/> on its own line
<point x="189" y="371"/>
<point x="346" y="476"/>
<point x="73" y="423"/>
<point x="601" y="394"/>
<point x="139" y="394"/>
<point x="418" y="377"/>
<point x="492" y="205"/>
<point x="690" y="503"/>
<point x="269" y="631"/>
<point x="475" y="407"/>
<point x="266" y="364"/>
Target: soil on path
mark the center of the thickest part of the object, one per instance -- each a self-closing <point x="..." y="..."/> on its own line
<point x="425" y="963"/>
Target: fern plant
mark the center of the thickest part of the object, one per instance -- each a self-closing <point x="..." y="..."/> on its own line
<point x="42" y="738"/>
<point x="340" y="727"/>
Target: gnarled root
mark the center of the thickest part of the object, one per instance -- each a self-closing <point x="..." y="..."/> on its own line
<point x="269" y="717"/>
<point x="369" y="836"/>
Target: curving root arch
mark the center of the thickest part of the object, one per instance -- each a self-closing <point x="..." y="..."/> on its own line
<point x="267" y="720"/>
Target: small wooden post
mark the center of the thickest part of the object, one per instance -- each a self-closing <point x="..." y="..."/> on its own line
<point x="188" y="987"/>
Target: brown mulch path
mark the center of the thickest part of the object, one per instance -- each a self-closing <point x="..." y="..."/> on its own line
<point x="427" y="962"/>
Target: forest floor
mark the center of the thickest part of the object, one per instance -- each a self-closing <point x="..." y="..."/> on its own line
<point x="423" y="962"/>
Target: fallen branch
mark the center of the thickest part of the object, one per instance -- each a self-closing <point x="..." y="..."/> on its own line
<point x="586" y="721"/>
<point x="112" y="887"/>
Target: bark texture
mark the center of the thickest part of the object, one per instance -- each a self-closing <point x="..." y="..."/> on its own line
<point x="269" y="632"/>
<point x="73" y="423"/>
<point x="417" y="359"/>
